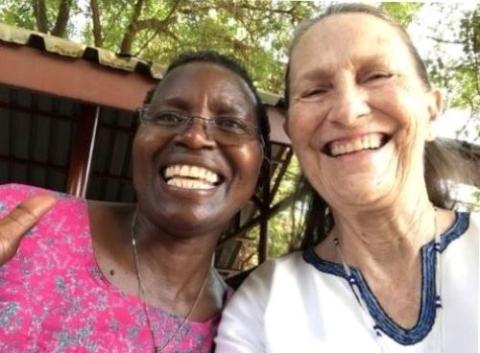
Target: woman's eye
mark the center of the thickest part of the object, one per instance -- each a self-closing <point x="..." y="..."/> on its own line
<point x="168" y="118"/>
<point x="314" y="92"/>
<point x="378" y="76"/>
<point x="231" y="124"/>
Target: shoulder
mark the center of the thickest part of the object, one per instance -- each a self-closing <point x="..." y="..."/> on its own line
<point x="13" y="194"/>
<point x="68" y="210"/>
<point x="62" y="225"/>
<point x="287" y="264"/>
<point x="58" y="242"/>
<point x="475" y="219"/>
<point x="245" y="320"/>
<point x="465" y="222"/>
<point x="474" y="225"/>
<point x="272" y="273"/>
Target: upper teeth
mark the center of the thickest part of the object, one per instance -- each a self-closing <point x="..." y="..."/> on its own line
<point x="190" y="184"/>
<point x="361" y="143"/>
<point x="191" y="171"/>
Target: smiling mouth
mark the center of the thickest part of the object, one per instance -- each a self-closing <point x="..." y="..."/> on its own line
<point x="191" y="177"/>
<point x="366" y="142"/>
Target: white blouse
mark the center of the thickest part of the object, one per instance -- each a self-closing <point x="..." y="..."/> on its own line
<point x="301" y="303"/>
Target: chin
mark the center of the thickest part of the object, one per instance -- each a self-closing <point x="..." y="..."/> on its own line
<point x="363" y="191"/>
<point x="191" y="221"/>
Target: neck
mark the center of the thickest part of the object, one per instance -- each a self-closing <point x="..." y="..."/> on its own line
<point x="385" y="237"/>
<point x="180" y="264"/>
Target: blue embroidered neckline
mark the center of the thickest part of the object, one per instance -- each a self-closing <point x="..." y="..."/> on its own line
<point x="427" y="308"/>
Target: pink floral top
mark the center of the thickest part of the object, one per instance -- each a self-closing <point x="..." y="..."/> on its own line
<point x="53" y="297"/>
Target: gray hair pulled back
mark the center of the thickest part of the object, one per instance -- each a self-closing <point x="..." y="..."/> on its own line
<point x="445" y="163"/>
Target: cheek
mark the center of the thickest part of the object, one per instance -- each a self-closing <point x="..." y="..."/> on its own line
<point x="145" y="146"/>
<point x="138" y="163"/>
<point x="304" y="130"/>
<point x="415" y="127"/>
<point x="248" y="160"/>
<point x="140" y="148"/>
<point x="411" y="146"/>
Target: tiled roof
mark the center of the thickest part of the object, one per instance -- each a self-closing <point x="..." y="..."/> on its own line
<point x="63" y="47"/>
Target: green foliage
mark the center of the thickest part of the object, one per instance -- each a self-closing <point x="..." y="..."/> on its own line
<point x="17" y="13"/>
<point x="21" y="13"/>
<point x="282" y="227"/>
<point x="403" y="12"/>
<point x="459" y="75"/>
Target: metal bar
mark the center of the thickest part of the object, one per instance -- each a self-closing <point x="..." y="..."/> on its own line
<point x="228" y="271"/>
<point x="51" y="148"/>
<point x="35" y="111"/>
<point x="33" y="129"/>
<point x="106" y="166"/>
<point x="58" y="116"/>
<point x="281" y="173"/>
<point x="18" y="160"/>
<point x="280" y="206"/>
<point x="128" y="156"/>
<point x="11" y="134"/>
<point x="82" y="150"/>
<point x="264" y="216"/>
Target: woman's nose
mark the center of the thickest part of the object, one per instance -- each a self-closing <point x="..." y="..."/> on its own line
<point x="351" y="104"/>
<point x="196" y="135"/>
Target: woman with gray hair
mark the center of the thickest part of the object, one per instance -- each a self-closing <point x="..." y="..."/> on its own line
<point x="386" y="266"/>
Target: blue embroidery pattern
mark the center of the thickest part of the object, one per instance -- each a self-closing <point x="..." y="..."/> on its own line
<point x="428" y="297"/>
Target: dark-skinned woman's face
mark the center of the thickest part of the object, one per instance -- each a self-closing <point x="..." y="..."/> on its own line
<point x="189" y="181"/>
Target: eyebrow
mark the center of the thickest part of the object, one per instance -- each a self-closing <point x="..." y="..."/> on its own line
<point x="316" y="74"/>
<point x="224" y="104"/>
<point x="328" y="73"/>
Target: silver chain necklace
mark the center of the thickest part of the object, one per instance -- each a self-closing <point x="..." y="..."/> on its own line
<point x="141" y="291"/>
<point x="368" y="319"/>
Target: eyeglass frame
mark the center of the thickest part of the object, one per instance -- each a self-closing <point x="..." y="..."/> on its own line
<point x="255" y="132"/>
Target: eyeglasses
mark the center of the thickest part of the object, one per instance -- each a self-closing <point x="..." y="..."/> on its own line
<point x="225" y="130"/>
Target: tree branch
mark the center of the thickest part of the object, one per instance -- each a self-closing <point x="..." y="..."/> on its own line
<point x="97" y="27"/>
<point x="127" y="41"/>
<point x="112" y="24"/>
<point x="40" y="13"/>
<point x="62" y="18"/>
<point x="151" y="23"/>
<point x="233" y="7"/>
<point x="441" y="40"/>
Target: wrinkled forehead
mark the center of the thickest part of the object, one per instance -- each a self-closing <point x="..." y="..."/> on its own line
<point x="346" y="37"/>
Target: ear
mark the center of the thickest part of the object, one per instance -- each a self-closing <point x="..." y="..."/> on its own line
<point x="435" y="107"/>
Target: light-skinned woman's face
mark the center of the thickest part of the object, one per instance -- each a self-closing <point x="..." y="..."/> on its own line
<point x="188" y="181"/>
<point x="359" y="115"/>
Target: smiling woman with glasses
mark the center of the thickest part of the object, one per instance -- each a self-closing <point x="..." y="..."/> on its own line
<point x="102" y="277"/>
